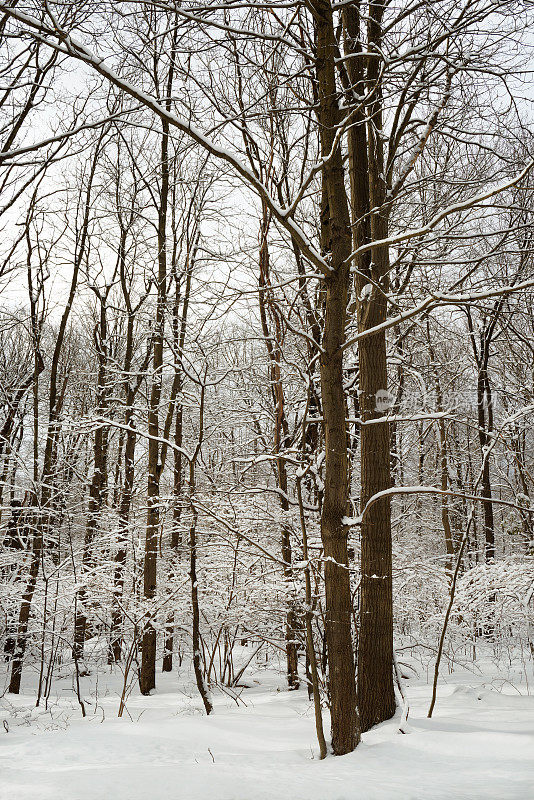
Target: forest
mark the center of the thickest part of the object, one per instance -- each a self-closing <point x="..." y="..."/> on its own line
<point x="267" y="399"/>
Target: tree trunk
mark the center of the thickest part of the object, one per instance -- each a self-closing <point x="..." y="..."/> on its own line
<point x="179" y="324"/>
<point x="98" y="482"/>
<point x="336" y="239"/>
<point x="147" y="676"/>
<point x="376" y="695"/>
<point x="130" y="391"/>
<point x="197" y="658"/>
<point x="273" y="343"/>
<point x="484" y="401"/>
<point x="443" y="463"/>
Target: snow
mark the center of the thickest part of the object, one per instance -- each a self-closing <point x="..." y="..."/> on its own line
<point x="479" y="744"/>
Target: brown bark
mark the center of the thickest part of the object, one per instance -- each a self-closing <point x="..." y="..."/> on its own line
<point x="336" y="236"/>
<point x="376" y="698"/>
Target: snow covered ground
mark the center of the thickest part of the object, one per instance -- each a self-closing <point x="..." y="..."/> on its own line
<point x="480" y="744"/>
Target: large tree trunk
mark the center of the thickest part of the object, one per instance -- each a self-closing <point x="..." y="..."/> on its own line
<point x="376" y="698"/>
<point x="336" y="236"/>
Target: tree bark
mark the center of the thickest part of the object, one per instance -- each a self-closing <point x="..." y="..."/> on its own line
<point x="98" y="485"/>
<point x="376" y="694"/>
<point x="337" y="240"/>
<point x="179" y="325"/>
<point x="147" y="675"/>
<point x="273" y="343"/>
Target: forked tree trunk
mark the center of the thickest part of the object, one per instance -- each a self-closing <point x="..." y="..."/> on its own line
<point x="485" y="416"/>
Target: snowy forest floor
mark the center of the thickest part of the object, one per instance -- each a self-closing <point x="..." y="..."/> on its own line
<point x="479" y="744"/>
